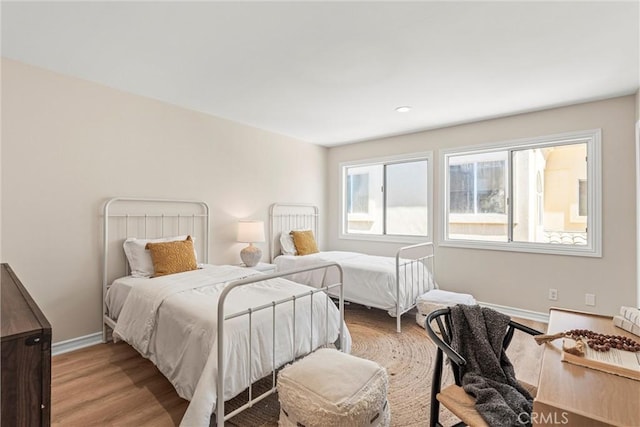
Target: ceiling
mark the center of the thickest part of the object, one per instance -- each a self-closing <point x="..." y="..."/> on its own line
<point x="332" y="73"/>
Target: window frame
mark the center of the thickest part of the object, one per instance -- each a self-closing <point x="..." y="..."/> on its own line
<point x="591" y="137"/>
<point x="391" y="238"/>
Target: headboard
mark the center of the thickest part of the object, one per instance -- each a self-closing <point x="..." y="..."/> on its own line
<point x="144" y="218"/>
<point x="284" y="217"/>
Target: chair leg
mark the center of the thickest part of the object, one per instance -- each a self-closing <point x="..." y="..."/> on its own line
<point x="434" y="420"/>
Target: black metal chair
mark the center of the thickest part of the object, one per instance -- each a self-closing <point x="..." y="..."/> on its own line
<point x="454" y="397"/>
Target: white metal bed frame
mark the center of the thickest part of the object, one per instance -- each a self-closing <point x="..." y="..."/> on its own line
<point x="409" y="259"/>
<point x="201" y="215"/>
<point x="155" y="215"/>
<point x="221" y="417"/>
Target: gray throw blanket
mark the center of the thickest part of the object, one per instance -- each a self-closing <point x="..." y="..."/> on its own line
<point x="478" y="333"/>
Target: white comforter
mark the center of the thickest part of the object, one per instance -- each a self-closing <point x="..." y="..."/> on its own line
<point x="172" y="320"/>
<point x="369" y="280"/>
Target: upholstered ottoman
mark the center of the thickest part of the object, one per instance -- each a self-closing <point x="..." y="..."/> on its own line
<point x="437" y="299"/>
<point x="330" y="388"/>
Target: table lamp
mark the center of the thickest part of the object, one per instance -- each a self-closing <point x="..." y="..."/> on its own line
<point x="251" y="232"/>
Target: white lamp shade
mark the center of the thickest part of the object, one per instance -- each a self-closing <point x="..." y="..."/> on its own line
<point x="250" y="231"/>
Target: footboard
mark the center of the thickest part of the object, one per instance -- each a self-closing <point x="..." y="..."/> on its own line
<point x="415" y="274"/>
<point x="221" y="417"/>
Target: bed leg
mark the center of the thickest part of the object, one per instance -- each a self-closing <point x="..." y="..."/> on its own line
<point x="398" y="321"/>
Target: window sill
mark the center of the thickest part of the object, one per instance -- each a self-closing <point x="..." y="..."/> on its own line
<point x="539" y="248"/>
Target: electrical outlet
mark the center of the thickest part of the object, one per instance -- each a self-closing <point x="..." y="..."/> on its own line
<point x="553" y="294"/>
<point x="590" y="299"/>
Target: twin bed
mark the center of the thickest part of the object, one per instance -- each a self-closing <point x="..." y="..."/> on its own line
<point x="216" y="330"/>
<point x="388" y="283"/>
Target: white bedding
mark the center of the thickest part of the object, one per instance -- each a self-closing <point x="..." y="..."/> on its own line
<point x="118" y="292"/>
<point x="172" y="320"/>
<point x="369" y="280"/>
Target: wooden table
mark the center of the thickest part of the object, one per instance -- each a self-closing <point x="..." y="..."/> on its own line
<point x="577" y="396"/>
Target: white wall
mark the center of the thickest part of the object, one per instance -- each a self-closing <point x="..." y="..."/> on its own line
<point x="68" y="145"/>
<point x="515" y="279"/>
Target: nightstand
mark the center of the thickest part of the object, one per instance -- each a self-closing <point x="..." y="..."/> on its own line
<point x="263" y="267"/>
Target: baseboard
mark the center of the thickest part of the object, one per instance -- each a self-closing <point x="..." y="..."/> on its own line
<point x="75" y="343"/>
<point x="518" y="312"/>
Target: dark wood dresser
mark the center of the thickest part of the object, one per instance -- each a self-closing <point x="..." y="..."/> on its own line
<point x="26" y="356"/>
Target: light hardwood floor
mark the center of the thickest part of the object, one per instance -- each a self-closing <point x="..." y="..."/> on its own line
<point x="111" y="384"/>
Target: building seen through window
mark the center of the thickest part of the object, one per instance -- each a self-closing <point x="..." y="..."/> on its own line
<point x="548" y="185"/>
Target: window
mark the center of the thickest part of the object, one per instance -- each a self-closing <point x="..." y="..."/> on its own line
<point x="478" y="184"/>
<point x="387" y="199"/>
<point x="522" y="195"/>
<point x="478" y="195"/>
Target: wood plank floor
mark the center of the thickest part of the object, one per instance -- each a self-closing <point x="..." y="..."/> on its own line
<point x="111" y="385"/>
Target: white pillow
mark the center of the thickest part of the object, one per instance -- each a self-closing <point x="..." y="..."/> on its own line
<point x="139" y="258"/>
<point x="286" y="244"/>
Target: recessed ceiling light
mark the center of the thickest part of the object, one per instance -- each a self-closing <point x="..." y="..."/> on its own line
<point x="403" y="109"/>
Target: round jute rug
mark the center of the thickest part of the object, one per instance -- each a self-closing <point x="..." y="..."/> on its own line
<point x="408" y="358"/>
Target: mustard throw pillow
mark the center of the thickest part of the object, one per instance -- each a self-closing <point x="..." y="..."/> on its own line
<point x="172" y="257"/>
<point x="304" y="242"/>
